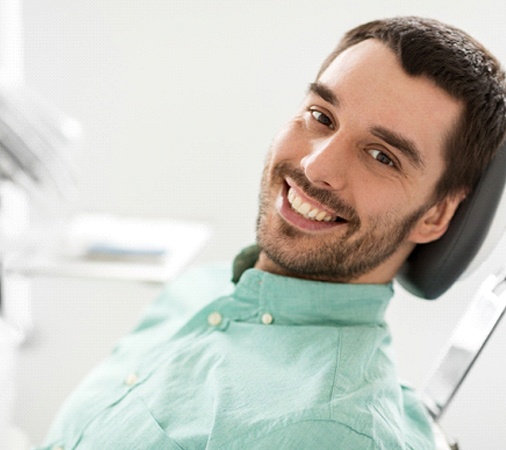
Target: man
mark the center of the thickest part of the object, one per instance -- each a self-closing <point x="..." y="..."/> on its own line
<point x="391" y="137"/>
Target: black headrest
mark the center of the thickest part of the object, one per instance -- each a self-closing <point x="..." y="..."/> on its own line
<point x="432" y="268"/>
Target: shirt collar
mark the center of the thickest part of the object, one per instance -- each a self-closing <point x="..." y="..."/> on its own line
<point x="296" y="301"/>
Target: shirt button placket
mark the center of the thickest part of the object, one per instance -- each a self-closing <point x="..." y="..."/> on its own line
<point x="267" y="319"/>
<point x="131" y="379"/>
<point x="214" y="319"/>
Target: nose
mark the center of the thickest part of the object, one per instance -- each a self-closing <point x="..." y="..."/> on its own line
<point x="327" y="164"/>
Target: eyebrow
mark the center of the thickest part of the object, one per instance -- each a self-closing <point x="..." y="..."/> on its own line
<point x="406" y="146"/>
<point x="324" y="92"/>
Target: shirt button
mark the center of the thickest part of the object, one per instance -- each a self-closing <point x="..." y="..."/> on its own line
<point x="57" y="447"/>
<point x="131" y="379"/>
<point x="267" y="319"/>
<point x="214" y="319"/>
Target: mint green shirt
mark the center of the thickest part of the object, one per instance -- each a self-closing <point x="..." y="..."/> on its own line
<point x="272" y="363"/>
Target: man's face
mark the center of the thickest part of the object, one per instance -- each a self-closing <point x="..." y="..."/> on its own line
<point x="348" y="186"/>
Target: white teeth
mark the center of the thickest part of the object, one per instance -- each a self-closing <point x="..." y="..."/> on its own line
<point x="305" y="209"/>
<point x="313" y="213"/>
<point x="321" y="215"/>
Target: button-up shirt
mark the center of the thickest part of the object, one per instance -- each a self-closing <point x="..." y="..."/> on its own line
<point x="272" y="363"/>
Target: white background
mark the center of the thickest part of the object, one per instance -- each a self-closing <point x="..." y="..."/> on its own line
<point x="179" y="101"/>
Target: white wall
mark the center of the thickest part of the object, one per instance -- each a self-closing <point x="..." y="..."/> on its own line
<point x="179" y="101"/>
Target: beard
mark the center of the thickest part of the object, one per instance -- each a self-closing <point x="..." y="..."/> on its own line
<point x="342" y="256"/>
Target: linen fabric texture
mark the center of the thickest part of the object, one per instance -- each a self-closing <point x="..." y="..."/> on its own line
<point x="271" y="363"/>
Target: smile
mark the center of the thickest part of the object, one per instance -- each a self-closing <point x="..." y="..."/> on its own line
<point x="304" y="212"/>
<point x="307" y="210"/>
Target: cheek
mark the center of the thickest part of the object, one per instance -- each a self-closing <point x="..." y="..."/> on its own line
<point x="373" y="200"/>
<point x="289" y="143"/>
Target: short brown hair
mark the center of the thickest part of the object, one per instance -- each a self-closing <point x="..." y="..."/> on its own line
<point x="462" y="67"/>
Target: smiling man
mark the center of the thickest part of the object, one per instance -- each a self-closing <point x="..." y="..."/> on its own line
<point x="395" y="131"/>
<point x="350" y="184"/>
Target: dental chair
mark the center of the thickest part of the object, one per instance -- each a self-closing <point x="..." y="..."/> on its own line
<point x="433" y="268"/>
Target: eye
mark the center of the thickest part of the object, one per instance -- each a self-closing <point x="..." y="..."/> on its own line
<point x="381" y="157"/>
<point x="322" y="118"/>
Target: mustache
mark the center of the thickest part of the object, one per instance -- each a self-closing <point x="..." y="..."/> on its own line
<point x="325" y="197"/>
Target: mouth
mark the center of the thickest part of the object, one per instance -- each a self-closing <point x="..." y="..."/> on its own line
<point x="309" y="210"/>
<point x="305" y="212"/>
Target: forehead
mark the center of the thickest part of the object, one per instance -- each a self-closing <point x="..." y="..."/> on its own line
<point x="372" y="89"/>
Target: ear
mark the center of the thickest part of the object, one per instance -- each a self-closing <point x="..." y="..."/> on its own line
<point x="435" y="221"/>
